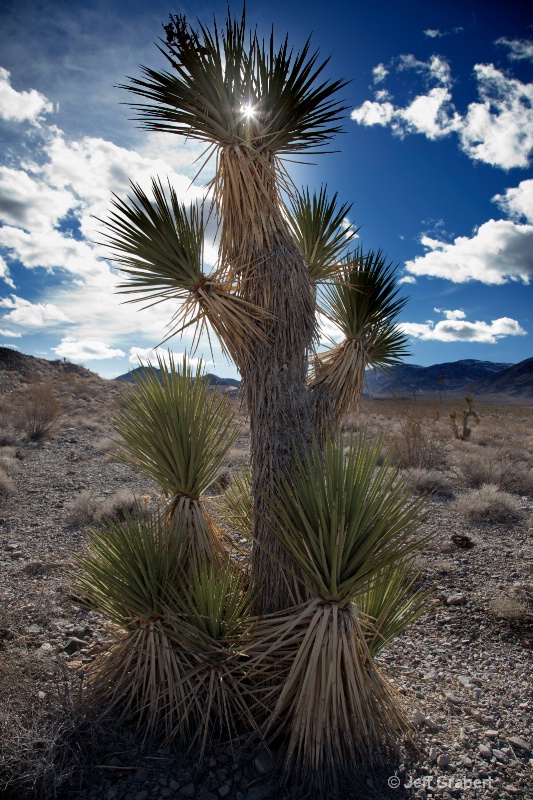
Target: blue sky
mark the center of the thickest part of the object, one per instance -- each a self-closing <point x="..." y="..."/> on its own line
<point x="435" y="157"/>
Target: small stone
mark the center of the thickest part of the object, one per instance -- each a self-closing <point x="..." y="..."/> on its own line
<point x="443" y="760"/>
<point x="484" y="751"/>
<point x="453" y="700"/>
<point x="432" y="755"/>
<point x="142" y="795"/>
<point x="431" y="724"/>
<point x="224" y="790"/>
<point x="73" y="645"/>
<point x="500" y="756"/>
<point x="189" y="790"/>
<point x="464" y="680"/>
<point x="142" y="775"/>
<point x="456" y="600"/>
<point x="519" y="744"/>
<point x="174" y="785"/>
<point x="491" y="734"/>
<point x="418" y="717"/>
<point x="264" y="762"/>
<point x="261" y="792"/>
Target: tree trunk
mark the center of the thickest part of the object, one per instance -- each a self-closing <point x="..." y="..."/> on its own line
<point x="281" y="418"/>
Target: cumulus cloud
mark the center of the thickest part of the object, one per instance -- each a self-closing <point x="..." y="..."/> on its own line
<point x="4" y="273"/>
<point x="26" y="106"/>
<point x="517" y="202"/>
<point x="86" y="350"/>
<point x="497" y="129"/>
<point x="407" y="279"/>
<point x="143" y="356"/>
<point x="10" y="334"/>
<point x="379" y="73"/>
<point x="31" y="315"/>
<point x="435" y="33"/>
<point x="455" y="328"/>
<point x="500" y="251"/>
<point x="519" y="49"/>
<point x="31" y="203"/>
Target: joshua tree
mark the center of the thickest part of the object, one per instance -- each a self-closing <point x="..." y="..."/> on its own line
<point x="253" y="104"/>
<point x="332" y="531"/>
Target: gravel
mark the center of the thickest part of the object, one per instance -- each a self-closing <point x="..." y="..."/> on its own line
<point x="466" y="673"/>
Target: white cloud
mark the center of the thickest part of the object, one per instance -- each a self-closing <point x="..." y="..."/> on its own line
<point x="379" y="73"/>
<point x="519" y="48"/>
<point x="497" y="130"/>
<point x="499" y="251"/>
<point x="4" y="273"/>
<point x="31" y="203"/>
<point x="31" y="315"/>
<point x="16" y="106"/>
<point x="10" y="334"/>
<point x="437" y="68"/>
<point x="407" y="279"/>
<point x="52" y="250"/>
<point x="457" y="329"/>
<point x="142" y="356"/>
<point x="86" y="350"/>
<point x="517" y="202"/>
<point x="146" y="355"/>
<point x="433" y="33"/>
<point x="448" y="314"/>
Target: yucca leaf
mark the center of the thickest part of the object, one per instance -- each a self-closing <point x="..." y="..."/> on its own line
<point x="344" y="518"/>
<point x="317" y="225"/>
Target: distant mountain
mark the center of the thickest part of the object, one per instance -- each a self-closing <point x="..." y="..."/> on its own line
<point x="516" y="380"/>
<point x="214" y="380"/>
<point x="468" y="375"/>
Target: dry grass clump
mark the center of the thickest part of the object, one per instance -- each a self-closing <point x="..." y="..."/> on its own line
<point x="488" y="504"/>
<point x="36" y="410"/>
<point x="6" y="484"/>
<point x="508" y="469"/>
<point x="427" y="481"/>
<point x="86" y="509"/>
<point x="512" y="607"/>
<point x="419" y="439"/>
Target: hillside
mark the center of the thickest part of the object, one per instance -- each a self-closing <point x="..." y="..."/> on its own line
<point x="469" y="375"/>
<point x="214" y="380"/>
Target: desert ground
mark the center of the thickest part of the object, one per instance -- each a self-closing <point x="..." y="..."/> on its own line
<point x="465" y="667"/>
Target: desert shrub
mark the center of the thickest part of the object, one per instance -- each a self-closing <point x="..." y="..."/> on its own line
<point x="6" y="484"/>
<point x="494" y="465"/>
<point x="36" y="410"/>
<point x="427" y="481"/>
<point x="513" y="607"/>
<point x="82" y="509"/>
<point x="419" y="440"/>
<point x="488" y="504"/>
<point x="119" y="505"/>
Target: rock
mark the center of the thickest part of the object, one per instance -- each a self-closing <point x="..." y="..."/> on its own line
<point x="431" y="724"/>
<point x="500" y="756"/>
<point x="262" y="791"/>
<point x="189" y="790"/>
<point x="224" y="790"/>
<point x="74" y="644"/>
<point x="453" y="700"/>
<point x="264" y="762"/>
<point x="142" y="795"/>
<point x="142" y="775"/>
<point x="174" y="785"/>
<point x="464" y="680"/>
<point x="484" y="751"/>
<point x="418" y="717"/>
<point x="443" y="760"/>
<point x="456" y="600"/>
<point x="519" y="743"/>
<point x="432" y="755"/>
<point x="491" y="734"/>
